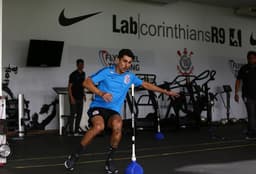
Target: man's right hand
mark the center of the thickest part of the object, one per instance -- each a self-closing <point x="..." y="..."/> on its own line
<point x="237" y="98"/>
<point x="107" y="97"/>
<point x="72" y="100"/>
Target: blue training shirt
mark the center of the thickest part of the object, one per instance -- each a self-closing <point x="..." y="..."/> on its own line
<point x="116" y="84"/>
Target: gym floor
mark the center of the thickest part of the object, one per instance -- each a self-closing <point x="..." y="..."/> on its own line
<point x="183" y="152"/>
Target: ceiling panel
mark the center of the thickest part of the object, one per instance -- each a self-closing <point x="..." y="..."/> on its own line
<point x="222" y="3"/>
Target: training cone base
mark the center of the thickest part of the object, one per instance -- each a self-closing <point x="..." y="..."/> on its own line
<point x="159" y="136"/>
<point x="134" y="168"/>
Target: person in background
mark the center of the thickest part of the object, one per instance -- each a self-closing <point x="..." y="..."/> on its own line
<point x="247" y="77"/>
<point x="76" y="97"/>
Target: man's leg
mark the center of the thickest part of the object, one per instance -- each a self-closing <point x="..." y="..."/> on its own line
<point x="79" y="112"/>
<point x="251" y="112"/>
<point x="254" y="118"/>
<point x="115" y="123"/>
<point x="250" y="107"/>
<point x="97" y="127"/>
<point x="70" y="123"/>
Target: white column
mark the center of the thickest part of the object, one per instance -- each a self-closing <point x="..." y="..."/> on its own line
<point x="2" y="137"/>
<point x="61" y="112"/>
<point x="1" y="66"/>
<point x="21" y="114"/>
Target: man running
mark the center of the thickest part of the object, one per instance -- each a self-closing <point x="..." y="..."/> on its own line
<point x="113" y="84"/>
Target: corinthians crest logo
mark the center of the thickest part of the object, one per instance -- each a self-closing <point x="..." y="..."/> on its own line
<point x="185" y="66"/>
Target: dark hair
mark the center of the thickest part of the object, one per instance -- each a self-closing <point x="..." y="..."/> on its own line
<point x="79" y="61"/>
<point x="126" y="52"/>
<point x="250" y="53"/>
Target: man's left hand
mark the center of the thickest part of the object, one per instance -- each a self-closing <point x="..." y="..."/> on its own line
<point x="172" y="93"/>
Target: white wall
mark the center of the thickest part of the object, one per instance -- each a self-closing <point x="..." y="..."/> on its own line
<point x="30" y="19"/>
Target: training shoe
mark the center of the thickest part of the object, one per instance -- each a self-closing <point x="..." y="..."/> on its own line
<point x="110" y="168"/>
<point x="249" y="137"/>
<point x="70" y="162"/>
<point x="78" y="134"/>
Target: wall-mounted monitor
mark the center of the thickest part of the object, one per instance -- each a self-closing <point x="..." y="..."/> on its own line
<point x="44" y="53"/>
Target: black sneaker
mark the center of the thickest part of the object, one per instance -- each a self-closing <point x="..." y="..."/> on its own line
<point x="110" y="168"/>
<point x="78" y="134"/>
<point x="250" y="137"/>
<point x="70" y="162"/>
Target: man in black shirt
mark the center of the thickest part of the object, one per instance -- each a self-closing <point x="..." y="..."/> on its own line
<point x="76" y="95"/>
<point x="247" y="75"/>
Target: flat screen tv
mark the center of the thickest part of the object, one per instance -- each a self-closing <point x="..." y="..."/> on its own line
<point x="44" y="53"/>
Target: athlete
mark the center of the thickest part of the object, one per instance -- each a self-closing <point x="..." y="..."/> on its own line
<point x="113" y="84"/>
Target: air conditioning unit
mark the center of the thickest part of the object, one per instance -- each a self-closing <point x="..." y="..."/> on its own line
<point x="246" y="11"/>
<point x="163" y="2"/>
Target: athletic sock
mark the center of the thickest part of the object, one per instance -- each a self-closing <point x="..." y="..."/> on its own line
<point x="80" y="150"/>
<point x="109" y="166"/>
<point x="111" y="153"/>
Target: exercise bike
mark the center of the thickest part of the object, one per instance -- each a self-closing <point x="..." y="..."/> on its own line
<point x="12" y="101"/>
<point x="193" y="100"/>
<point x="152" y="120"/>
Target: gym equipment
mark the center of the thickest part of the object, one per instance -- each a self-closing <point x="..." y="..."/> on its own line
<point x="227" y="90"/>
<point x="3" y="126"/>
<point x="4" y="147"/>
<point x="12" y="103"/>
<point x="45" y="108"/>
<point x="5" y="150"/>
<point x="152" y="100"/>
<point x="206" y="99"/>
<point x="63" y="117"/>
<point x="12" y="112"/>
<point x="194" y="98"/>
<point x="158" y="135"/>
<point x="35" y="124"/>
<point x="21" y="127"/>
<point x="5" y="85"/>
<point x="133" y="167"/>
<point x="151" y="120"/>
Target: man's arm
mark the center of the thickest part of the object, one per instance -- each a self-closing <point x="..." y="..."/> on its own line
<point x="88" y="83"/>
<point x="152" y="87"/>
<point x="237" y="87"/>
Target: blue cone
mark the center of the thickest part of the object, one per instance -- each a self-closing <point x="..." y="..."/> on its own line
<point x="159" y="136"/>
<point x="134" y="168"/>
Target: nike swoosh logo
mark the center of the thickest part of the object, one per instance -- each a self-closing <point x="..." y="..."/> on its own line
<point x="252" y="40"/>
<point x="64" y="21"/>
